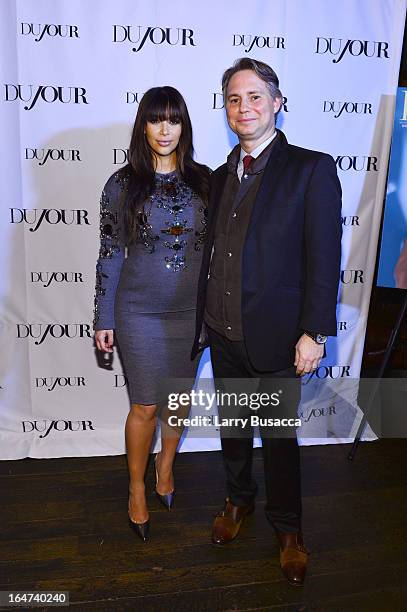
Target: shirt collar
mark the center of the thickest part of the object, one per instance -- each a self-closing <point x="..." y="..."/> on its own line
<point x="256" y="152"/>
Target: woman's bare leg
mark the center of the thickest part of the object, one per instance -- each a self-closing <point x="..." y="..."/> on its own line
<point x="170" y="437"/>
<point x="139" y="431"/>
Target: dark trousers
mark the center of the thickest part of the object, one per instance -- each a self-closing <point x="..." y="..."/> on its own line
<point x="280" y="454"/>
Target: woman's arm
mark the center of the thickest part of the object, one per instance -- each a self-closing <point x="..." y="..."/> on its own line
<point x="111" y="256"/>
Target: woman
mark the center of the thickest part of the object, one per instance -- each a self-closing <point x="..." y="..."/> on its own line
<point x="155" y="206"/>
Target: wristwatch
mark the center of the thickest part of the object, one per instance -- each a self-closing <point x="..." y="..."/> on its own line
<point x="318" y="338"/>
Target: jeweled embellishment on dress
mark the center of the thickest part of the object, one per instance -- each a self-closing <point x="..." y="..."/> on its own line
<point x="175" y="263"/>
<point x="145" y="232"/>
<point x="200" y="236"/>
<point x="99" y="291"/>
<point x="109" y="231"/>
<point x="176" y="227"/>
<point x="172" y="196"/>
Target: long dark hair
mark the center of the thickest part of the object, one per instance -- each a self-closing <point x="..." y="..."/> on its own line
<point x="159" y="103"/>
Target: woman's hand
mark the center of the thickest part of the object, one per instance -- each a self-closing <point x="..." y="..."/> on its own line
<point x="104" y="340"/>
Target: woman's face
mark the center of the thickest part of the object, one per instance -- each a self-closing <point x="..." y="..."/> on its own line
<point x="163" y="136"/>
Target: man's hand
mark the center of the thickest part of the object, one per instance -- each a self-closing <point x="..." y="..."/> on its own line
<point x="308" y="354"/>
<point x="104" y="340"/>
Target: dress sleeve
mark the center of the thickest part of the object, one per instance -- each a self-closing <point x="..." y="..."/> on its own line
<point x="111" y="255"/>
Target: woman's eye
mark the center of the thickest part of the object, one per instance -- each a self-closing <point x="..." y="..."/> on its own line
<point x="175" y="122"/>
<point x="154" y="121"/>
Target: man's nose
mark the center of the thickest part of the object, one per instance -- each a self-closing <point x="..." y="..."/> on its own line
<point x="244" y="105"/>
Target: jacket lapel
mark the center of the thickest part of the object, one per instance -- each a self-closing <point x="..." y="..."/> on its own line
<point x="272" y="173"/>
<point x="217" y="184"/>
<point x="218" y="181"/>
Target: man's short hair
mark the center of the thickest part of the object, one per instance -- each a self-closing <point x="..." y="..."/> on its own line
<point x="263" y="71"/>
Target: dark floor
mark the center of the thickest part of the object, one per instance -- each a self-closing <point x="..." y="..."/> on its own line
<point x="63" y="527"/>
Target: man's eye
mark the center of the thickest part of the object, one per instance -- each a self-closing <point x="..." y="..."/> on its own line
<point x="255" y="97"/>
<point x="233" y="101"/>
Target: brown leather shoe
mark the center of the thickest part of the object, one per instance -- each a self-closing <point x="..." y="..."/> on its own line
<point x="293" y="557"/>
<point x="227" y="522"/>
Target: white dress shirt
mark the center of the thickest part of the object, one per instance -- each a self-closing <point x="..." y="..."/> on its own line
<point x="255" y="153"/>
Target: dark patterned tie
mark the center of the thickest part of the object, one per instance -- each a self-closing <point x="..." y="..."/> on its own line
<point x="247" y="160"/>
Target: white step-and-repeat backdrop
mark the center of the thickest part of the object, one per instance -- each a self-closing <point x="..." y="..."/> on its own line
<point x="72" y="75"/>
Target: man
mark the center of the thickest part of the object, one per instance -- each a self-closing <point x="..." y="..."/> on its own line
<point x="267" y="289"/>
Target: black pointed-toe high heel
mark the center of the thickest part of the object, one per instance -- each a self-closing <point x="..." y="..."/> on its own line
<point x="168" y="498"/>
<point x="141" y="529"/>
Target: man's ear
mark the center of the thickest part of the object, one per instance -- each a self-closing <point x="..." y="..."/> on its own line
<point x="278" y="102"/>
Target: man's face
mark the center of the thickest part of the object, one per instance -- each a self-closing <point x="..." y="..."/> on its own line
<point x="250" y="108"/>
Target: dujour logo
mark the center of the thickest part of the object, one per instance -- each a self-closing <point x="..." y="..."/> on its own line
<point x="45" y="426"/>
<point x="53" y="216"/>
<point x="351" y="277"/>
<point x="44" y="155"/>
<point x="133" y="97"/>
<point x="40" y="30"/>
<point x="50" y="382"/>
<point x="42" y="331"/>
<point x="140" y="35"/>
<point x="332" y="371"/>
<point x="120" y="380"/>
<point x="357" y="162"/>
<point x="359" y="108"/>
<point x="46" y="93"/>
<point x="120" y="156"/>
<point x="217" y="102"/>
<point x="350" y="220"/>
<point x="248" y="41"/>
<point x="306" y="415"/>
<point x="56" y="277"/>
<point x="355" y="48"/>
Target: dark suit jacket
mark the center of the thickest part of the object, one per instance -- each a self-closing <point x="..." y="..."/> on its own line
<point x="291" y="255"/>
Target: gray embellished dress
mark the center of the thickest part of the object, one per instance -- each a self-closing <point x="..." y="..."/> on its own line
<point x="146" y="291"/>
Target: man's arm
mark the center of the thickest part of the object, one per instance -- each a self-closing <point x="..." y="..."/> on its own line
<point x="323" y="232"/>
<point x="322" y="239"/>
